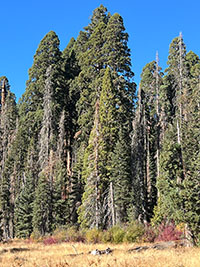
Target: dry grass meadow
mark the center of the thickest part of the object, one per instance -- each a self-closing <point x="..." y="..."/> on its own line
<point x="22" y="253"/>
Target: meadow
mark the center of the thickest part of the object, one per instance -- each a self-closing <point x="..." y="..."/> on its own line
<point x="34" y="254"/>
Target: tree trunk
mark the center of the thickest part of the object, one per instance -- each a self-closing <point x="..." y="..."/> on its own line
<point x="3" y="95"/>
<point x="96" y="161"/>
<point x="69" y="172"/>
<point x="146" y="170"/>
<point x="158" y="117"/>
<point x="112" y="204"/>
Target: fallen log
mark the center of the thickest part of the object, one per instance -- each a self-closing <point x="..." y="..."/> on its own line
<point x="161" y="246"/>
<point x="138" y="249"/>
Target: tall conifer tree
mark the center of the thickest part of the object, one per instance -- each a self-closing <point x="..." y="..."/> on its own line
<point x="24" y="202"/>
<point x="8" y="120"/>
<point x="146" y="140"/>
<point x="42" y="206"/>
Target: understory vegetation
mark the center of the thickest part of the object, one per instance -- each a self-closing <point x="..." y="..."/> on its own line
<point x="129" y="233"/>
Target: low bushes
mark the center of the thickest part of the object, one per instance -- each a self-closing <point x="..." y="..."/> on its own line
<point x="50" y="240"/>
<point x="167" y="231"/>
<point x="72" y="234"/>
<point x="93" y="236"/>
<point x="129" y="233"/>
<point x="134" y="232"/>
<point x="150" y="234"/>
<point x="117" y="234"/>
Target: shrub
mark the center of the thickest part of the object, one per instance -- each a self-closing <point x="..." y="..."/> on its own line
<point x="74" y="235"/>
<point x="50" y="240"/>
<point x="60" y="234"/>
<point x="181" y="227"/>
<point x="198" y="240"/>
<point x="149" y="234"/>
<point x="134" y="232"/>
<point x="167" y="232"/>
<point x="106" y="236"/>
<point x="35" y="237"/>
<point x="117" y="234"/>
<point x="158" y="214"/>
<point x="93" y="236"/>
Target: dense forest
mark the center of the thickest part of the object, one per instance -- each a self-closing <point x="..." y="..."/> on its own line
<point x="84" y="147"/>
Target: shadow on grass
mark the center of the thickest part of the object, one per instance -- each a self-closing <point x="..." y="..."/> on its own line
<point x="13" y="250"/>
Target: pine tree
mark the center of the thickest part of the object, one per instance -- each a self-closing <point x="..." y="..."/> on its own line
<point x="98" y="155"/>
<point x="91" y="60"/>
<point x="178" y="181"/>
<point x="47" y="54"/>
<point x="25" y="199"/>
<point x="138" y="161"/>
<point x="71" y="70"/>
<point x="117" y="57"/>
<point x="103" y="44"/>
<point x="191" y="148"/>
<point x="98" y="165"/>
<point x="170" y="191"/>
<point x="8" y="118"/>
<point x="107" y="139"/>
<point x="76" y="182"/>
<point x="146" y="141"/>
<point x="90" y="211"/>
<point x="60" y="210"/>
<point x="172" y="167"/>
<point x="107" y="121"/>
<point x="42" y="207"/>
<point x="24" y="208"/>
<point x="6" y="206"/>
<point x="31" y="103"/>
<point x="120" y="180"/>
<point x="68" y="127"/>
<point x="175" y="78"/>
<point x="47" y="131"/>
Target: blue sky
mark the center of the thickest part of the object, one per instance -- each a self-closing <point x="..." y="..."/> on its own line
<point x="151" y="26"/>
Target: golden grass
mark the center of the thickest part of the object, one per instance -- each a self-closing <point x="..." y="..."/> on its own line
<point x="19" y="253"/>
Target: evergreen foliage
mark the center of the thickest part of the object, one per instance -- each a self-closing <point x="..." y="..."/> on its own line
<point x="80" y="150"/>
<point x="146" y="141"/>
<point x="176" y="201"/>
<point x="60" y="210"/>
<point x="42" y="207"/>
<point x="24" y="209"/>
<point x="8" y="120"/>
<point x="120" y="172"/>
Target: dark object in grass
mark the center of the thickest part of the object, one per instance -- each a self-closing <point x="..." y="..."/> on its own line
<point x="101" y="252"/>
<point x="13" y="250"/>
<point x="161" y="246"/>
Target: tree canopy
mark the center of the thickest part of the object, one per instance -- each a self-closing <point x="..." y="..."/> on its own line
<point x="85" y="147"/>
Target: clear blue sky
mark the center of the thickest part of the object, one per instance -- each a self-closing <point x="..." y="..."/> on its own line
<point x="151" y="26"/>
